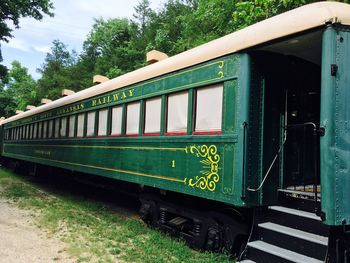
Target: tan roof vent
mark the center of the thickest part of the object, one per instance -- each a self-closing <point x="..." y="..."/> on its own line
<point x="18" y="111"/>
<point x="45" y="101"/>
<point x="67" y="92"/>
<point x="154" y="56"/>
<point x="30" y="107"/>
<point x="99" y="79"/>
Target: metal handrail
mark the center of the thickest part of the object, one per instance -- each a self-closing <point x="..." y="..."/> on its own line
<point x="268" y="171"/>
<point x="279" y="151"/>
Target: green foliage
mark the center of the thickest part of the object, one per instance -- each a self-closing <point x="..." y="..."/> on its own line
<point x="143" y="14"/>
<point x="8" y="104"/>
<point x="21" y="86"/>
<point x="58" y="72"/>
<point x="250" y="12"/>
<point x="17" y="90"/>
<point x="13" y="10"/>
<point x="109" y="48"/>
<point x="169" y="27"/>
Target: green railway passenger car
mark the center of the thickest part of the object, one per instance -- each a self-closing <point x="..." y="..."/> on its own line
<point x="240" y="144"/>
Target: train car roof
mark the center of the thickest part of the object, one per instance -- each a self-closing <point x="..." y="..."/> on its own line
<point x="298" y="20"/>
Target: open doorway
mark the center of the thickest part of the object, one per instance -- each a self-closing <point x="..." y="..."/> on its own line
<point x="290" y="76"/>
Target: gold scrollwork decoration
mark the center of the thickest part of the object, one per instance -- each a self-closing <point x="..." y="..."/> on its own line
<point x="210" y="174"/>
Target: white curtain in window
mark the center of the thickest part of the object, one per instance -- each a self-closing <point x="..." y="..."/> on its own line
<point x="177" y="112"/>
<point x="117" y="115"/>
<point x="35" y="130"/>
<point x="80" y="129"/>
<point x="50" y="128"/>
<point x="102" y="122"/>
<point x="63" y="130"/>
<point x="40" y="131"/>
<point x="209" y="108"/>
<point x="152" y="118"/>
<point x="44" y="129"/>
<point x="91" y="123"/>
<point x="57" y="127"/>
<point x="133" y="118"/>
<point x="71" y="126"/>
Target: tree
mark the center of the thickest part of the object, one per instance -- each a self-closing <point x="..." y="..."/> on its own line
<point x="109" y="48"/>
<point x="57" y="72"/>
<point x="250" y="12"/>
<point x="21" y="87"/>
<point x="13" y="10"/>
<point x="143" y="14"/>
<point x="8" y="104"/>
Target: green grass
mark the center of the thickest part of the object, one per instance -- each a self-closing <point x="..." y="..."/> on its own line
<point x="93" y="231"/>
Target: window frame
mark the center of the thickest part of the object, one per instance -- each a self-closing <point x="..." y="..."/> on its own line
<point x="97" y="122"/>
<point x="122" y="121"/>
<point x="194" y="116"/>
<point x="172" y="133"/>
<point x="74" y="117"/>
<point x="66" y="128"/>
<point x="126" y="119"/>
<point x="144" y="110"/>
<point x="45" y="129"/>
<point x="77" y="135"/>
<point x="87" y="123"/>
<point x="50" y="134"/>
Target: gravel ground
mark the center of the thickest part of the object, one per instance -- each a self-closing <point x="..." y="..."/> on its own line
<point x="22" y="242"/>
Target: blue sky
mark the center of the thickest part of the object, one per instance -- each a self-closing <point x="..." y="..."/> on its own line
<point x="71" y="24"/>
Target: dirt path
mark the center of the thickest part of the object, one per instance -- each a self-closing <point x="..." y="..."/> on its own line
<point x="22" y="242"/>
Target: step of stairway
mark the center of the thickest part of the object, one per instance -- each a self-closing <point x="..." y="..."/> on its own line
<point x="296" y="212"/>
<point x="321" y="240"/>
<point x="262" y="252"/>
<point x="297" y="219"/>
<point x="308" y="244"/>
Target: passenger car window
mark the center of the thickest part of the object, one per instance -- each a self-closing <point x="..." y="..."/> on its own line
<point x="177" y="112"/>
<point x="132" y="118"/>
<point x="57" y="127"/>
<point x="71" y="126"/>
<point x="80" y="128"/>
<point x="152" y="115"/>
<point x="117" y="116"/>
<point x="90" y="131"/>
<point x="209" y="109"/>
<point x="102" y="122"/>
<point x="63" y="130"/>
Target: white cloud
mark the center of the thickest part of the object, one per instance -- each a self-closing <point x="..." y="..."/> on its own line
<point x="17" y="43"/>
<point x="42" y="49"/>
